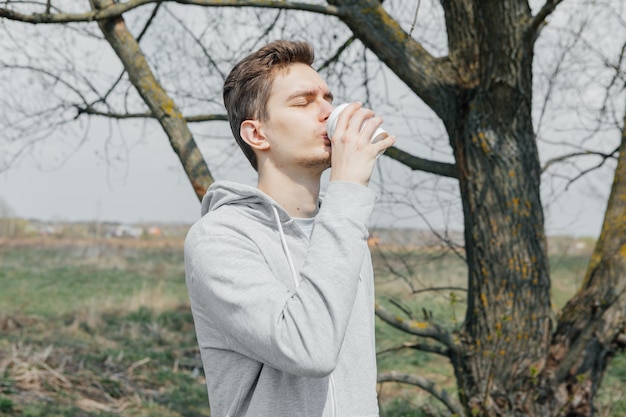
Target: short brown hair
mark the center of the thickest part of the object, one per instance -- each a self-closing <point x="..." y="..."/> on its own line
<point x="247" y="88"/>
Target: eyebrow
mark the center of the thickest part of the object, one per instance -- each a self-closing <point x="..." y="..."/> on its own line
<point x="308" y="93"/>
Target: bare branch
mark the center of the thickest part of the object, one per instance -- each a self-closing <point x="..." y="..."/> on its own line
<point x="270" y="4"/>
<point x="407" y="58"/>
<point x="418" y="328"/>
<point x="417" y="8"/>
<point x="48" y="74"/>
<point x="586" y="171"/>
<point x="120" y="8"/>
<point x="420" y="164"/>
<point x="427" y="385"/>
<point x="149" y="22"/>
<point x="206" y="118"/>
<point x="422" y="347"/>
<point x="156" y="98"/>
<point x="439" y="289"/>
<point x="395" y="272"/>
<point x="553" y="76"/>
<point x="60" y="17"/>
<point x="119" y="78"/>
<point x="538" y="20"/>
<point x="149" y="115"/>
<point x="335" y="57"/>
<point x="199" y="43"/>
<point x="562" y="158"/>
<point x="402" y="307"/>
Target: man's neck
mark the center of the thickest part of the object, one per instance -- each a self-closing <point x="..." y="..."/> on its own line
<point x="298" y="195"/>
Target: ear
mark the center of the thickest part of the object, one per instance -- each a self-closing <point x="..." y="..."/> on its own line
<point x="250" y="132"/>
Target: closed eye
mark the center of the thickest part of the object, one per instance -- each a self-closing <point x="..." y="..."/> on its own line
<point x="302" y="98"/>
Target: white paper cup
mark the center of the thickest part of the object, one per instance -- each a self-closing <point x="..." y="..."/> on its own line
<point x="331" y="125"/>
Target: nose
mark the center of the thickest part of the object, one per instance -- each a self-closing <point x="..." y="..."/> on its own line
<point x="326" y="109"/>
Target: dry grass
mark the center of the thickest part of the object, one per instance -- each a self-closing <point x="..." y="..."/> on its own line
<point x="154" y="298"/>
<point x="123" y="369"/>
<point x="128" y="348"/>
<point x="118" y="341"/>
<point x="53" y="375"/>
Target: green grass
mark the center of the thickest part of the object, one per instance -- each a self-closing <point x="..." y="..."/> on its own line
<point x="611" y="397"/>
<point x="413" y="271"/>
<point x="35" y="279"/>
<point x="137" y="363"/>
<point x="99" y="329"/>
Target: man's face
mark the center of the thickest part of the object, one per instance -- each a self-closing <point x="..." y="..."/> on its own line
<point x="298" y="107"/>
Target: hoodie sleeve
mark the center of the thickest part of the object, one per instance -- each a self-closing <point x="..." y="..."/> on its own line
<point x="233" y="290"/>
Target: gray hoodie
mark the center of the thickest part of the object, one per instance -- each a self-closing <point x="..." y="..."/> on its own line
<point x="285" y="325"/>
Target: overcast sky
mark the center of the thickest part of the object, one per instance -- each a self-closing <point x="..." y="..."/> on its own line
<point x="147" y="184"/>
<point x="132" y="175"/>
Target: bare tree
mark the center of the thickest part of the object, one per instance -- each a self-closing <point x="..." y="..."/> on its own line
<point x="509" y="357"/>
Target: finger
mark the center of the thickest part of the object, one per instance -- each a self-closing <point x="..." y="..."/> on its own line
<point x="346" y="115"/>
<point x="355" y="132"/>
<point x="382" y="145"/>
<point x="369" y="126"/>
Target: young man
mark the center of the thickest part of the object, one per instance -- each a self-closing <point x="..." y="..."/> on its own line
<point x="280" y="281"/>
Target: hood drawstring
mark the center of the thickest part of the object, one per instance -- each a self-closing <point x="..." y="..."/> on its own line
<point x="296" y="282"/>
<point x="283" y="240"/>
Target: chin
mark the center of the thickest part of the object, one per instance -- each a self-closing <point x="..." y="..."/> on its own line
<point x="319" y="161"/>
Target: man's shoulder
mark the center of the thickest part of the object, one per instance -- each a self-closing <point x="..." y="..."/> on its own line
<point x="217" y="221"/>
<point x="227" y="221"/>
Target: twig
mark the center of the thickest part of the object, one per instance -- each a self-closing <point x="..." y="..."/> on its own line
<point x="428" y="386"/>
<point x="404" y="309"/>
<point x="444" y="169"/>
<point x="417" y="8"/>
<point x="439" y="289"/>
<point x="418" y="328"/>
<point x="565" y="157"/>
<point x="422" y="347"/>
<point x="337" y="54"/>
<point x="137" y="364"/>
<point x="539" y="19"/>
<point x="119" y="9"/>
<point x="148" y="115"/>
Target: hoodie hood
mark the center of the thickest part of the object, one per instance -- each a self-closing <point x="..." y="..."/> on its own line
<point x="252" y="201"/>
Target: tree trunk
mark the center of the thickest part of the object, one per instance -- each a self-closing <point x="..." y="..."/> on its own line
<point x="507" y="329"/>
<point x="160" y="104"/>
<point x="507" y="326"/>
<point x="591" y="322"/>
<point x="507" y="362"/>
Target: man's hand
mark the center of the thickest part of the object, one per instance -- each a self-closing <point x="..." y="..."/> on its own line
<point x="353" y="155"/>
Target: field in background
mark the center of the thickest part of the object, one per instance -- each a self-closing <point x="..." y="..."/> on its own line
<point x="102" y="327"/>
<point x="403" y="275"/>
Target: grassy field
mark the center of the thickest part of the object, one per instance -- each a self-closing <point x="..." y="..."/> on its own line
<point x="103" y="328"/>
